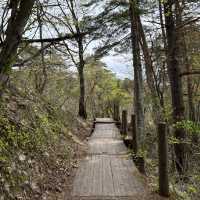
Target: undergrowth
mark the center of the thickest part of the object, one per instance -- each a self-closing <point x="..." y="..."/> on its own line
<point x="34" y="141"/>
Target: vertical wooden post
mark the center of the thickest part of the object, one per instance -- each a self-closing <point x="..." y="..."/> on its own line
<point x="93" y="125"/>
<point x="163" y="160"/>
<point x="124" y="122"/>
<point x="116" y="116"/>
<point x="116" y="112"/>
<point x="134" y="134"/>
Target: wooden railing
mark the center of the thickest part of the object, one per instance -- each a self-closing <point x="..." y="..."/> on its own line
<point x="131" y="142"/>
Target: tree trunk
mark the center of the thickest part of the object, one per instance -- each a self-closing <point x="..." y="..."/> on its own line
<point x="156" y="93"/>
<point x="21" y="11"/>
<point x="162" y="26"/>
<point x="138" y="80"/>
<point x="82" y="108"/>
<point x="191" y="108"/>
<point x="42" y="75"/>
<point x="173" y="49"/>
<point x="148" y="61"/>
<point x="186" y="64"/>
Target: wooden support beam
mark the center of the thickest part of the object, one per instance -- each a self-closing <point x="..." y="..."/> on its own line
<point x="134" y="134"/>
<point x="116" y="116"/>
<point x="93" y="126"/>
<point x="124" y="123"/>
<point x="163" y="160"/>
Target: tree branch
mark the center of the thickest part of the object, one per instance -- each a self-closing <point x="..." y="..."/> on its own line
<point x="52" y="40"/>
<point x="194" y="72"/>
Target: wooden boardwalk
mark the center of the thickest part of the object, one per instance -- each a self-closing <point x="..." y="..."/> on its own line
<point x="107" y="173"/>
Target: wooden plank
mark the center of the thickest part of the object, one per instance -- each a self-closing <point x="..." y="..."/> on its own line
<point x="108" y="185"/>
<point x="78" y="182"/>
<point x="106" y="173"/>
<point x="106" y="131"/>
<point x="133" y="176"/>
<point x="116" y="178"/>
<point x="97" y="179"/>
<point x="126" y="184"/>
<point x="91" y="177"/>
<point x="129" y="178"/>
<point x="104" y="120"/>
<point x="106" y="146"/>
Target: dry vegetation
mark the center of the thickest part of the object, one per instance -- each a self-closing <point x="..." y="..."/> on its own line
<point x="39" y="146"/>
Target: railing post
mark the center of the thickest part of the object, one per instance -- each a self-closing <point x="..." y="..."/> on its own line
<point x="116" y="115"/>
<point x="124" y="123"/>
<point x="116" y="112"/>
<point x="93" y="125"/>
<point x="134" y="134"/>
<point x="163" y="160"/>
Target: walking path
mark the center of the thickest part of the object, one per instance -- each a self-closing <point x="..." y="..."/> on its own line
<point x="107" y="173"/>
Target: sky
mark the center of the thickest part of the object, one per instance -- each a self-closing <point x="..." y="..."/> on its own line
<point x="120" y="65"/>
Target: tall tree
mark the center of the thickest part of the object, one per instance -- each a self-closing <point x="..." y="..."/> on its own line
<point x="20" y="13"/>
<point x="138" y="79"/>
<point x="184" y="56"/>
<point x="153" y="80"/>
<point x="173" y="66"/>
<point x="79" y="25"/>
<point x="81" y="63"/>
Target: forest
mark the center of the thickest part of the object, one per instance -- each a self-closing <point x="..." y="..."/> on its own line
<point x="66" y="64"/>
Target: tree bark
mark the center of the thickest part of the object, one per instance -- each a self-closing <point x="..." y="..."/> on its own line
<point x="80" y="66"/>
<point x="173" y="67"/>
<point x="147" y="59"/>
<point x="44" y="70"/>
<point x="138" y="80"/>
<point x="21" y="11"/>
<point x="82" y="108"/>
<point x="163" y="160"/>
<point x="156" y="93"/>
<point x="186" y="64"/>
<point x="162" y="23"/>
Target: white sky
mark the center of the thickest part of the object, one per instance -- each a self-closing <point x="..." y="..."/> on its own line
<point x="121" y="65"/>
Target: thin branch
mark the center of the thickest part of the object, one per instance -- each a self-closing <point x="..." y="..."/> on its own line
<point x="32" y="57"/>
<point x="194" y="72"/>
<point x="57" y="39"/>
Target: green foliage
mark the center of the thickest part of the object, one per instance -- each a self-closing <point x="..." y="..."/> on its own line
<point x="190" y="126"/>
<point x="191" y="189"/>
<point x="104" y="89"/>
<point x="27" y="131"/>
<point x="173" y="140"/>
<point x="180" y="195"/>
